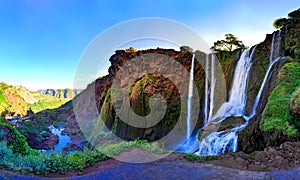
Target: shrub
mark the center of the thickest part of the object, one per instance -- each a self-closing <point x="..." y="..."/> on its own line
<point x="40" y="163"/>
<point x="19" y="143"/>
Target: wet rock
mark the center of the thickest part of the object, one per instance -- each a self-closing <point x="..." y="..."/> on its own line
<point x="231" y="122"/>
<point x="72" y="147"/>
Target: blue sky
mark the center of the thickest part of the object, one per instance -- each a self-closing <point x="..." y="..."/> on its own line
<point x="41" y="41"/>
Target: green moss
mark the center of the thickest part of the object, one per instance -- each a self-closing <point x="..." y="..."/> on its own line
<point x="276" y="115"/>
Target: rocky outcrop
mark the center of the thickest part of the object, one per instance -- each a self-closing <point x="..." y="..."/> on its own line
<point x="45" y="142"/>
<point x="61" y="93"/>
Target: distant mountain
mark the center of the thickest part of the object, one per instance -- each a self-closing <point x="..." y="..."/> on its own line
<point x="61" y="93"/>
<point x="17" y="100"/>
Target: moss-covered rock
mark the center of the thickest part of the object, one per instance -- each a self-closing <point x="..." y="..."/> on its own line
<point x="277" y="115"/>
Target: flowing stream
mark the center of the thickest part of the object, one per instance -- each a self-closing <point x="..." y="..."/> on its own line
<point x="63" y="139"/>
<point x="216" y="143"/>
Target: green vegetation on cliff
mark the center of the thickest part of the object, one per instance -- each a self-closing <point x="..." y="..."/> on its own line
<point x="46" y="104"/>
<point x="276" y="115"/>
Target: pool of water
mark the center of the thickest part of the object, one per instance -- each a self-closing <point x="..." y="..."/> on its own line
<point x="63" y="139"/>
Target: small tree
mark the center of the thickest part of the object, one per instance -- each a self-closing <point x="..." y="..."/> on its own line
<point x="279" y="23"/>
<point x="230" y="43"/>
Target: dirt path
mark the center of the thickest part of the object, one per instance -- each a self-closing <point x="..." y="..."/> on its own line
<point x="166" y="169"/>
<point x="267" y="164"/>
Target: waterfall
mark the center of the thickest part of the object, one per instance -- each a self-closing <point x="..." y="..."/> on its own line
<point x="212" y="88"/>
<point x="220" y="142"/>
<point x="210" y="82"/>
<point x="235" y="106"/>
<point x="275" y="46"/>
<point x="206" y="105"/>
<point x="190" y="98"/>
<point x="237" y="95"/>
<point x="274" y="58"/>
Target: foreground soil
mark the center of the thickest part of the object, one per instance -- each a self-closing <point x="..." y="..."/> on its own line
<point x="166" y="169"/>
<point x="272" y="163"/>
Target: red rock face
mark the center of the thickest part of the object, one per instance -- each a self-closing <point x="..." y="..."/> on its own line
<point x="143" y="87"/>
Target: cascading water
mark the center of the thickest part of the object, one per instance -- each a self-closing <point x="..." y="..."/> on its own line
<point x="191" y="144"/>
<point x="212" y="88"/>
<point x="210" y="82"/>
<point x="206" y="105"/>
<point x="275" y="46"/>
<point x="190" y="98"/>
<point x="274" y="58"/>
<point x="237" y="99"/>
<point x="219" y="142"/>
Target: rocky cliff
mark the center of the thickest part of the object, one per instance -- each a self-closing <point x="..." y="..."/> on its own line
<point x="61" y="93"/>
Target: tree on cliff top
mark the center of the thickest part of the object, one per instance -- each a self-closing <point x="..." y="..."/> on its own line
<point x="230" y="43"/>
